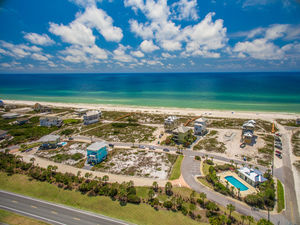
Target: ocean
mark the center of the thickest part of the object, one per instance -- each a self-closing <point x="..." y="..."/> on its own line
<point x="277" y="92"/>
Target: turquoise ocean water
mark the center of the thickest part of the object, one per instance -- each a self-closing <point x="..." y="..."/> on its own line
<point x="278" y="92"/>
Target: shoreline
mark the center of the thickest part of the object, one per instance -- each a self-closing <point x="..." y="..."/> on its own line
<point x="166" y="110"/>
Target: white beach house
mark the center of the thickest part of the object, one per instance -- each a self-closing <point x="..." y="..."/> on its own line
<point x="91" y="117"/>
<point x="252" y="176"/>
<point x="171" y="122"/>
<point x="50" y="121"/>
<point x="200" y="126"/>
<point x="248" y="131"/>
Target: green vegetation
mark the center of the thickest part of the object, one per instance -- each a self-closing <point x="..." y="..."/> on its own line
<point x="296" y="143"/>
<point x="125" y="132"/>
<point x="123" y="201"/>
<point x="71" y="121"/>
<point x="112" y="115"/>
<point x="289" y="123"/>
<point x="16" y="219"/>
<point x="280" y="196"/>
<point x="267" y="151"/>
<point x="23" y="147"/>
<point x="210" y="144"/>
<point x="236" y="123"/>
<point x="24" y="133"/>
<point x="188" y="140"/>
<point x="63" y="157"/>
<point x="176" y="171"/>
<point x="67" y="131"/>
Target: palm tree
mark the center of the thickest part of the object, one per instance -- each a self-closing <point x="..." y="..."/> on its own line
<point x="250" y="166"/>
<point x="206" y="157"/>
<point x="250" y="219"/>
<point x="151" y="194"/>
<point x="235" y="165"/>
<point x="155" y="186"/>
<point x="78" y="173"/>
<point x="179" y="202"/>
<point x="130" y="183"/>
<point x="168" y="188"/>
<point x="243" y="219"/>
<point x="239" y="192"/>
<point x="232" y="190"/>
<point x="105" y="178"/>
<point x="192" y="196"/>
<point x="231" y="208"/>
<point x="227" y="184"/>
<point x="212" y="158"/>
<point x="202" y="196"/>
<point x="231" y="161"/>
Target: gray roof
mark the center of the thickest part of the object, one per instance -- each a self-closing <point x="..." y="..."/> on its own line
<point x="181" y="129"/>
<point x="49" y="138"/>
<point x="3" y="132"/>
<point x="96" y="146"/>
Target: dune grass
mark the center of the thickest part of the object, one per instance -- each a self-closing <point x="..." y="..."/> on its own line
<point x="138" y="214"/>
<point x="280" y="197"/>
<point x="16" y="219"/>
<point x="176" y="170"/>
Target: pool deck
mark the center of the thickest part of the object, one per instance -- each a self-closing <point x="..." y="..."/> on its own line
<point x="251" y="190"/>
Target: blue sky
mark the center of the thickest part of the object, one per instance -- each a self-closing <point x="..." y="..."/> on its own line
<point x="149" y="35"/>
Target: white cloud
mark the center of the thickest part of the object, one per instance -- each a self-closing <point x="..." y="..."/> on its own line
<point x="144" y="31"/>
<point x="148" y="46"/>
<point x="38" y="39"/>
<point x="187" y="9"/>
<point x="259" y="49"/>
<point x="167" y="55"/>
<point x="75" y="33"/>
<point x="120" y="54"/>
<point x="276" y="31"/>
<point x="152" y="62"/>
<point x="138" y="54"/>
<point x="97" y="18"/>
<point x="39" y="57"/>
<point x="6" y="65"/>
<point x="80" y="30"/>
<point x="171" y="45"/>
<point x="18" y="51"/>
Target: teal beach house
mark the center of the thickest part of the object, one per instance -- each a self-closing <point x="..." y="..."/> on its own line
<point x="96" y="152"/>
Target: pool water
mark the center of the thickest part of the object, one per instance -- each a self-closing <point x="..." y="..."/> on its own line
<point x="236" y="183"/>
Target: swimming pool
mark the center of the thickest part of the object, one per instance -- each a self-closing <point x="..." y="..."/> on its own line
<point x="236" y="183"/>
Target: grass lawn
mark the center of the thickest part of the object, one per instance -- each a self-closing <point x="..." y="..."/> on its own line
<point x="203" y="181"/>
<point x="175" y="173"/>
<point x="139" y="214"/>
<point x="205" y="169"/>
<point x="280" y="197"/>
<point x="16" y="219"/>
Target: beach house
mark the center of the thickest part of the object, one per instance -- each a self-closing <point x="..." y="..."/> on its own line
<point x="248" y="131"/>
<point x="39" y="108"/>
<point x="81" y="112"/>
<point x="3" y="134"/>
<point x="91" y="117"/>
<point x="180" y="133"/>
<point x="252" y="176"/>
<point x="171" y="122"/>
<point x="50" y="121"/>
<point x="49" y="141"/>
<point x="1" y="103"/>
<point x="96" y="152"/>
<point x="22" y="121"/>
<point x="298" y="121"/>
<point x="200" y="126"/>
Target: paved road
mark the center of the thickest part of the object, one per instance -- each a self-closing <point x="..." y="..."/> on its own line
<point x="50" y="212"/>
<point x="285" y="175"/>
<point x="191" y="168"/>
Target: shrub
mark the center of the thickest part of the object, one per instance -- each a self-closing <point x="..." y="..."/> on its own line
<point x="198" y="157"/>
<point x="168" y="204"/>
<point x="209" y="162"/>
<point x="133" y="199"/>
<point x="254" y="200"/>
<point x="184" y="210"/>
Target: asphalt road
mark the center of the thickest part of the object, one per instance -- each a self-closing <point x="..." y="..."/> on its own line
<point x="50" y="212"/>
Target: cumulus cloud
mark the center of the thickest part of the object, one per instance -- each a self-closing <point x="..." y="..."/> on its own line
<point x="187" y="9"/>
<point x="148" y="46"/>
<point x="200" y="38"/>
<point x="74" y="33"/>
<point x="263" y="47"/>
<point x="39" y="57"/>
<point x="138" y="54"/>
<point x="80" y="31"/>
<point x="18" y="51"/>
<point x="38" y="39"/>
<point x="120" y="54"/>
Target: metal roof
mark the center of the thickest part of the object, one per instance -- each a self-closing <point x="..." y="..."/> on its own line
<point x="49" y="138"/>
<point x="96" y="146"/>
